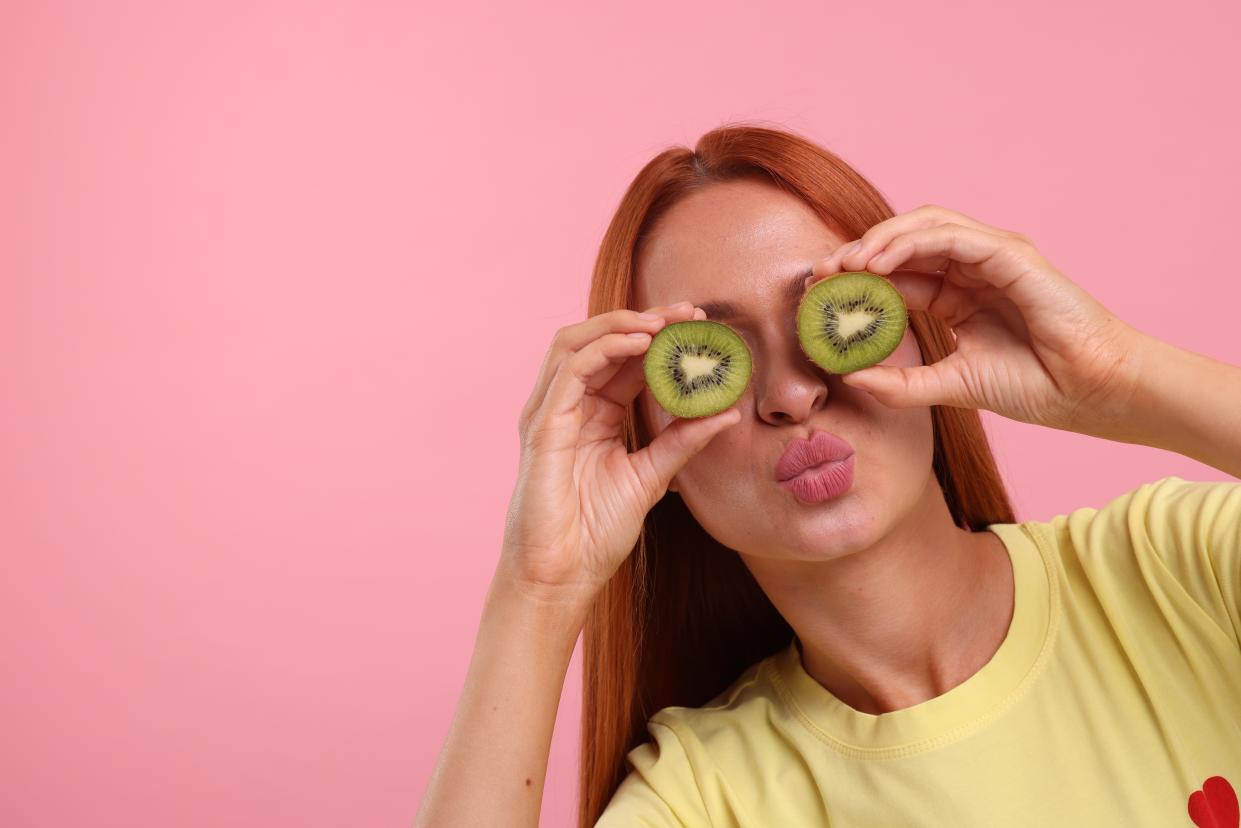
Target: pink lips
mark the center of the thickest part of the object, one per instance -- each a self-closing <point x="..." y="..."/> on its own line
<point x="816" y="469"/>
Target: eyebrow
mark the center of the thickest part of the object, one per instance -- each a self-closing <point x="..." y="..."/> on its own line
<point x="723" y="309"/>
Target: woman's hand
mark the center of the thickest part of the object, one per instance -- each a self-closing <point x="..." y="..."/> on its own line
<point x="577" y="509"/>
<point x="580" y="497"/>
<point x="1031" y="345"/>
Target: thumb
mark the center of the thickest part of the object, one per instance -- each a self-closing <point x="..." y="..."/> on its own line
<point x="658" y="462"/>
<point x="898" y="387"/>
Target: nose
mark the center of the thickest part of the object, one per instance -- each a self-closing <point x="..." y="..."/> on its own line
<point x="788" y="386"/>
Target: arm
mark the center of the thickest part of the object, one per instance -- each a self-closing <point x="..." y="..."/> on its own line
<point x="576" y="513"/>
<point x="1183" y="402"/>
<point x="492" y="767"/>
<point x="1033" y="346"/>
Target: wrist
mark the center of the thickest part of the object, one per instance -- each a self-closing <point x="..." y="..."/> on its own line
<point x="561" y="605"/>
<point x="1186" y="402"/>
<point x="1124" y="411"/>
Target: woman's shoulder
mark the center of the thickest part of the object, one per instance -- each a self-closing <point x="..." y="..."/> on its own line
<point x="747" y="703"/>
<point x="711" y="764"/>
<point x="676" y="776"/>
<point x="1161" y="543"/>
<point x="1170" y="516"/>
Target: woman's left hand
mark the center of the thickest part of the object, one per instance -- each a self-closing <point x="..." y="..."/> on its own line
<point x="1031" y="345"/>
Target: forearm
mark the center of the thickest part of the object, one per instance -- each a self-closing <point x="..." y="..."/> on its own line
<point x="1187" y="403"/>
<point x="492" y="767"/>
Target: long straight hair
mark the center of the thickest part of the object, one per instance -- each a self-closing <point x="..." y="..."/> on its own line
<point x="682" y="617"/>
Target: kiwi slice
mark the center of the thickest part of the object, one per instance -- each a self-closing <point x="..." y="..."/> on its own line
<point x="850" y="321"/>
<point x="697" y="368"/>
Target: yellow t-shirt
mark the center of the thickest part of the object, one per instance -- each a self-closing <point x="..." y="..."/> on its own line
<point x="1114" y="700"/>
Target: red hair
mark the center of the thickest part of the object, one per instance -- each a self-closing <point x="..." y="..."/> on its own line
<point x="682" y="617"/>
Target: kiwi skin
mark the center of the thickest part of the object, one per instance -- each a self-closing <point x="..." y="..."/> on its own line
<point x="879" y="293"/>
<point x="709" y="397"/>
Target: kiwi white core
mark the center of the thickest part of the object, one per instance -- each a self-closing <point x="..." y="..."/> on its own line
<point x="847" y="324"/>
<point x="698" y="365"/>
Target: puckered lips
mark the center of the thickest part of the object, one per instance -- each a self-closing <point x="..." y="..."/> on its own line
<point x="802" y="454"/>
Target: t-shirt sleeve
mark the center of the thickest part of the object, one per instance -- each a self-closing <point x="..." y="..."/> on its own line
<point x="1192" y="530"/>
<point x="660" y="789"/>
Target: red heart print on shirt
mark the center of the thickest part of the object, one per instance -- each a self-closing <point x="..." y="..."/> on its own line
<point x="1215" y="806"/>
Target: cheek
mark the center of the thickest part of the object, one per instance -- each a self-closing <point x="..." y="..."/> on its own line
<point x="899" y="448"/>
<point x="721" y="470"/>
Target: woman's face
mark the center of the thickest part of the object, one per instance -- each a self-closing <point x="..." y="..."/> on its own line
<point x="751" y="245"/>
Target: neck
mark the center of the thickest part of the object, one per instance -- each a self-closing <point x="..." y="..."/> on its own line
<point x="903" y="620"/>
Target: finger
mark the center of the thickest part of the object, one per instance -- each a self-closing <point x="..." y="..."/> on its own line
<point x="657" y="463"/>
<point x="621" y="390"/>
<point x="901" y="387"/>
<point x="576" y="373"/>
<point x="826" y="268"/>
<point x="557" y="423"/>
<point x="951" y="295"/>
<point x="942" y="243"/>
<point x="630" y="377"/>
<point x="939" y="265"/>
<point x="1011" y="266"/>
<point x="574" y="337"/>
<point x="624" y="387"/>
<point x="854" y="255"/>
<point x="938" y="295"/>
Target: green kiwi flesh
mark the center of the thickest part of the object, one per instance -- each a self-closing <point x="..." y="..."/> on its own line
<point x="851" y="321"/>
<point x="697" y="368"/>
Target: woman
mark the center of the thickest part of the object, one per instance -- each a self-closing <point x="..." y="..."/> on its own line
<point x="903" y="652"/>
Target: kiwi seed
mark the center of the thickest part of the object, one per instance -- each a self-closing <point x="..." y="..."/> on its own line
<point x="697" y="368"/>
<point x="850" y="321"/>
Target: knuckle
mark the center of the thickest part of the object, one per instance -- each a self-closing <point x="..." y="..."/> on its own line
<point x="611" y="342"/>
<point x="1025" y="248"/>
<point x="532" y="433"/>
<point x="526" y="418"/>
<point x="954" y="229"/>
<point x="617" y="316"/>
<point x="537" y="434"/>
<point x="555" y="355"/>
<point x="865" y="239"/>
<point x="530" y="440"/>
<point x="573" y="362"/>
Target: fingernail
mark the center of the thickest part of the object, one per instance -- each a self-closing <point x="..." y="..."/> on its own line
<point x="856" y="246"/>
<point x="638" y="335"/>
<point x="645" y="315"/>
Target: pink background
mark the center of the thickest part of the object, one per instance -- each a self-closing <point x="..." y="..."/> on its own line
<point x="276" y="279"/>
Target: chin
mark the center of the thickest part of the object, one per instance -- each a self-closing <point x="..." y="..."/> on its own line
<point x="832" y="529"/>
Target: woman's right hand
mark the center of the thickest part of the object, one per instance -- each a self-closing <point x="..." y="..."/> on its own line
<point x="581" y="497"/>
